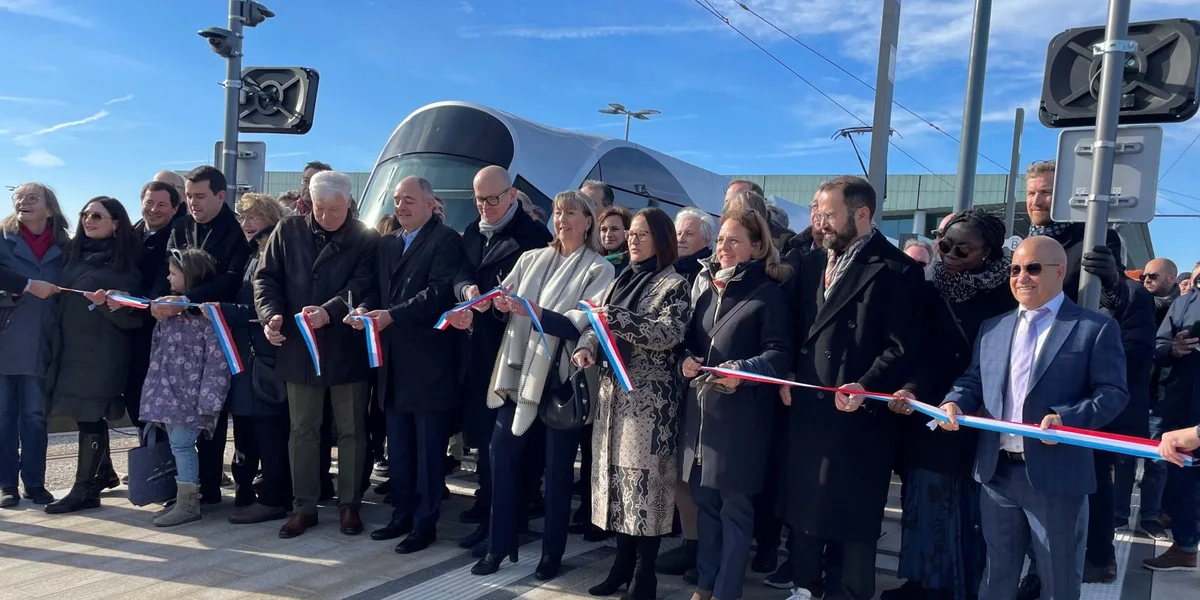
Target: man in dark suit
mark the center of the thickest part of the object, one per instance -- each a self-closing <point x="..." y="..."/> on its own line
<point x="1033" y="489"/>
<point x="491" y="246"/>
<point x="852" y="333"/>
<point x="417" y="265"/>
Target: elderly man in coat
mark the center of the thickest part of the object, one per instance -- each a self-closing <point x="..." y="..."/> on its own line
<point x="314" y="267"/>
<point x="417" y="264"/>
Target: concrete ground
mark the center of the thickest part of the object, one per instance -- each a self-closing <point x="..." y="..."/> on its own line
<point x="114" y="552"/>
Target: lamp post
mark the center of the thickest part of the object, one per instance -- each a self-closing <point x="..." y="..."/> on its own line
<point x="618" y="109"/>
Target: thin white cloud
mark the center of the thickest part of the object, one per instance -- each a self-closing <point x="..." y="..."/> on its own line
<point x="577" y="33"/>
<point x="45" y="9"/>
<point x="125" y="98"/>
<point x="61" y="126"/>
<point x="466" y="8"/>
<point x="41" y="158"/>
<point x="27" y="100"/>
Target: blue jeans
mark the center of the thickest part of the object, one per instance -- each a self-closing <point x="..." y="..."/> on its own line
<point x="183" y="448"/>
<point x="1154" y="480"/>
<point x="22" y="431"/>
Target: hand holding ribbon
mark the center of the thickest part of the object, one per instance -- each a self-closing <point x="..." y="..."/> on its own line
<point x="316" y="315"/>
<point x="598" y="317"/>
<point x="271" y="329"/>
<point x="307" y="331"/>
<point x="369" y="323"/>
<point x="444" y="321"/>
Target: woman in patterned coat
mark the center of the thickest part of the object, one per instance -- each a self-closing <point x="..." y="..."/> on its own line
<point x="635" y="433"/>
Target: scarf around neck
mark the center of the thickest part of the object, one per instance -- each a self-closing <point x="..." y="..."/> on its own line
<point x="961" y="287"/>
<point x="838" y="264"/>
<point x="1053" y="230"/>
<point x="490" y="229"/>
<point x="39" y="243"/>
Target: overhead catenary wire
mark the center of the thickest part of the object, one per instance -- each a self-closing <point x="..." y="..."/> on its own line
<point x="860" y="80"/>
<point x="723" y="19"/>
<point x="1180" y="157"/>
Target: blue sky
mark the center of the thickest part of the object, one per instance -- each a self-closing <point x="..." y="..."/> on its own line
<point x="94" y="100"/>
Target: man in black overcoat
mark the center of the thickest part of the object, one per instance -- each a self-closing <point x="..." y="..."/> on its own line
<point x="417" y="263"/>
<point x="853" y="332"/>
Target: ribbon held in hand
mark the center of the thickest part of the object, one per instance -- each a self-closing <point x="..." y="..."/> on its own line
<point x="1085" y="438"/>
<point x="129" y="301"/>
<point x="224" y="336"/>
<point x="310" y="340"/>
<point x="537" y="324"/>
<point x="608" y="343"/>
<point x="374" y="347"/>
<point x="444" y="321"/>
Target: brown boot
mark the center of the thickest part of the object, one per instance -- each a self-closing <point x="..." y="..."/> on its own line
<point x="1173" y="559"/>
<point x="257" y="513"/>
<point x="351" y="521"/>
<point x="297" y="524"/>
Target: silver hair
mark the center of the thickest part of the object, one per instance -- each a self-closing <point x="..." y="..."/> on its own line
<point x="914" y="242"/>
<point x="777" y="216"/>
<point x="708" y="226"/>
<point x="328" y="184"/>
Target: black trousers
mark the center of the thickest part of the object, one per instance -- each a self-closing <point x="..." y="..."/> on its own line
<point x="1102" y="518"/>
<point x="376" y="432"/>
<point x="212" y="458"/>
<point x="263" y="441"/>
<point x="855" y="565"/>
<point x="584" y="514"/>
<point x="417" y="463"/>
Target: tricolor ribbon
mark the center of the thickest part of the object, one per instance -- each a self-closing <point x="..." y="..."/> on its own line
<point x="1074" y="436"/>
<point x="224" y="336"/>
<point x="444" y="321"/>
<point x="608" y="343"/>
<point x="129" y="301"/>
<point x="310" y="340"/>
<point x="374" y="348"/>
<point x="537" y="323"/>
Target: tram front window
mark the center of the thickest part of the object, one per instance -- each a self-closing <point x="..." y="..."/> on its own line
<point x="450" y="176"/>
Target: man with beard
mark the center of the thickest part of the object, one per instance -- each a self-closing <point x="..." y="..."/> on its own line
<point x="492" y="245"/>
<point x="853" y="335"/>
<point x="212" y="226"/>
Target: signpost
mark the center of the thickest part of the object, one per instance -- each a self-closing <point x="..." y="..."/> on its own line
<point x="1136" y="154"/>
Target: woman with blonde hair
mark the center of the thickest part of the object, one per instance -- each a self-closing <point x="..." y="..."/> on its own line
<point x="257" y="399"/>
<point x="739" y="321"/>
<point x="32" y="239"/>
<point x="553" y="280"/>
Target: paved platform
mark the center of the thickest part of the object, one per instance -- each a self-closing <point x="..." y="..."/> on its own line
<point x="115" y="552"/>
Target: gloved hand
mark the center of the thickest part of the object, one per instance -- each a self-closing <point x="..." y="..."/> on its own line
<point x="1101" y="263"/>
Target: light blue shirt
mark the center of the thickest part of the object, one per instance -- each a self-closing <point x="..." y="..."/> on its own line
<point x="1014" y="407"/>
<point x="408" y="238"/>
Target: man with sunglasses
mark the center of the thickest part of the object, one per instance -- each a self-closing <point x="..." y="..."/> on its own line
<point x="1064" y="365"/>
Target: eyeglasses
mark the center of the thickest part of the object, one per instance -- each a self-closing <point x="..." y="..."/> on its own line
<point x="491" y="200"/>
<point x="955" y="250"/>
<point x="26" y="198"/>
<point x="1150" y="277"/>
<point x="1034" y="269"/>
<point x="819" y="218"/>
<point x="640" y="235"/>
<point x="93" y="217"/>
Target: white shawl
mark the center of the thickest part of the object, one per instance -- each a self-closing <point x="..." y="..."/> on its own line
<point x="555" y="283"/>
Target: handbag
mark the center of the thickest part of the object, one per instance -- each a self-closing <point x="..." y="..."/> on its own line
<point x="565" y="405"/>
<point x="151" y="470"/>
<point x="267" y="386"/>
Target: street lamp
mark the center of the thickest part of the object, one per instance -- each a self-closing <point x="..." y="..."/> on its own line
<point x="618" y="109"/>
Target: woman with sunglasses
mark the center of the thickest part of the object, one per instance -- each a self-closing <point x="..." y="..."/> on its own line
<point x="942" y="551"/>
<point x="87" y="375"/>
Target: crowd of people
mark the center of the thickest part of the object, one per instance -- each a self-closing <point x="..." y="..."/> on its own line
<point x="671" y="446"/>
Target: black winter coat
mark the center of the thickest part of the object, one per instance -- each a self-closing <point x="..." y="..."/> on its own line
<point x="725" y="433"/>
<point x="307" y="266"/>
<point x="88" y="374"/>
<point x="221" y="237"/>
<point x="691" y="265"/>
<point x="486" y="263"/>
<point x="840" y="464"/>
<point x="416" y="286"/>
<point x="951" y="331"/>
<point x="153" y="267"/>
<point x="256" y="352"/>
<point x="1138" y="328"/>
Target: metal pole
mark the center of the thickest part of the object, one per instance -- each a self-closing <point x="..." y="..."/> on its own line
<point x="968" y="149"/>
<point x="1107" y="114"/>
<point x="1010" y="189"/>
<point x="881" y="125"/>
<point x="627" y="127"/>
<point x="233" y="90"/>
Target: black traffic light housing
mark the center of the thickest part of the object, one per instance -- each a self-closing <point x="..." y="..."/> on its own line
<point x="278" y="100"/>
<point x="1160" y="79"/>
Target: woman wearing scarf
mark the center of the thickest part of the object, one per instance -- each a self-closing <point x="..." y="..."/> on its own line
<point x="942" y="551"/>
<point x="634" y="433"/>
<point x="31" y="243"/>
<point x="553" y="280"/>
<point x="614" y="223"/>
<point x="739" y="321"/>
<point x="88" y="373"/>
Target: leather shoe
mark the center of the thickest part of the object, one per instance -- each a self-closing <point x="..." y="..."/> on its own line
<point x="351" y="521"/>
<point x="39" y="495"/>
<point x="392" y="530"/>
<point x="415" y="542"/>
<point x="297" y="524"/>
<point x="472" y="539"/>
<point x="547" y="568"/>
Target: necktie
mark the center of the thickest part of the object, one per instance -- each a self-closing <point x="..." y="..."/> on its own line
<point x="830" y="268"/>
<point x="1024" y="353"/>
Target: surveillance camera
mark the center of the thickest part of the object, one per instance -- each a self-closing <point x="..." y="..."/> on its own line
<point x="222" y="41"/>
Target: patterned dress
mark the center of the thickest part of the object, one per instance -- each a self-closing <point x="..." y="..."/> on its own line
<point x="635" y="433"/>
<point x="188" y="376"/>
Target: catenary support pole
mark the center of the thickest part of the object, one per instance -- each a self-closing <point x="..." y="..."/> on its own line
<point x="1010" y="188"/>
<point x="968" y="148"/>
<point x="881" y="124"/>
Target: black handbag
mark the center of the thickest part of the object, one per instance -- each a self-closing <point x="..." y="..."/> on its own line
<point x="151" y="469"/>
<point x="565" y="405"/>
<point x="267" y="385"/>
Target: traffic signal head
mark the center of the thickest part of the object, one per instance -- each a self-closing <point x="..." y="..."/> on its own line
<point x="278" y="100"/>
<point x="254" y="13"/>
<point x="221" y="40"/>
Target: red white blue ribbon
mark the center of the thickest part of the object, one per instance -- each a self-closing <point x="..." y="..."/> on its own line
<point x="129" y="301"/>
<point x="1086" y="438"/>
<point x="444" y="321"/>
<point x="608" y="343"/>
<point x="537" y="324"/>
<point x="224" y="336"/>
<point x="310" y="340"/>
<point x="374" y="347"/>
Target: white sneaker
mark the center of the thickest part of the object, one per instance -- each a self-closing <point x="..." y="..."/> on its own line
<point x="800" y="594"/>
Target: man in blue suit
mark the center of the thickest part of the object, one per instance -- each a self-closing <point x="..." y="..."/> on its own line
<point x="1033" y="489"/>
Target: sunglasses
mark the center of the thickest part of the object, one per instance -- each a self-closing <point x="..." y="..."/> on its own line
<point x="1150" y="277"/>
<point x="92" y="217"/>
<point x="955" y="250"/>
<point x="1034" y="269"/>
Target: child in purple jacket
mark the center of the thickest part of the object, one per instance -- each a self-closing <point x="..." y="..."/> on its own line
<point x="187" y="382"/>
